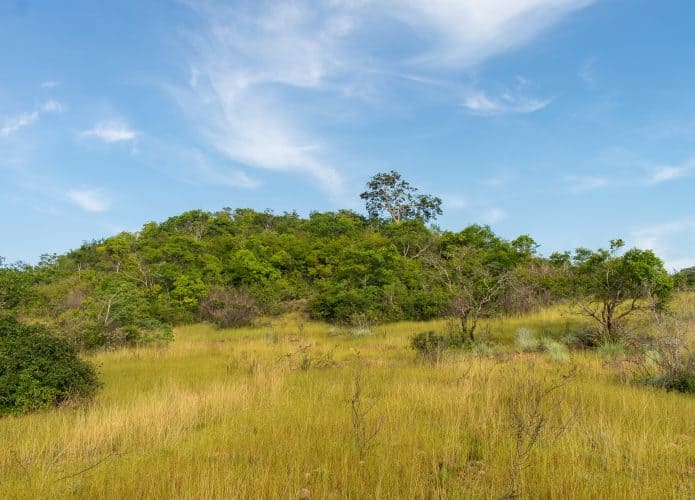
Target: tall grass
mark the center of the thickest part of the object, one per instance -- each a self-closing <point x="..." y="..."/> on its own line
<point x="228" y="414"/>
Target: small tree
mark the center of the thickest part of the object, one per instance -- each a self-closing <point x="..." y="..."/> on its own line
<point x="474" y="285"/>
<point x="388" y="193"/>
<point x="610" y="287"/>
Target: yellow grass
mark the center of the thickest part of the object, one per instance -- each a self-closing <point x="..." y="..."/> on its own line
<point x="231" y="414"/>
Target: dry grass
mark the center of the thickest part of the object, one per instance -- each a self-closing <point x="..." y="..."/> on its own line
<point x="234" y="414"/>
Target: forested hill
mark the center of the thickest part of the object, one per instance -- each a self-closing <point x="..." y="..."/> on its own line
<point x="231" y="266"/>
<point x="338" y="266"/>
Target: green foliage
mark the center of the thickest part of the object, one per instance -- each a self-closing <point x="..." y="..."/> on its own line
<point x="429" y="346"/>
<point x="557" y="351"/>
<point x="611" y="286"/>
<point x="335" y="266"/>
<point x="15" y="285"/>
<point x="38" y="369"/>
<point x="685" y="279"/>
<point x="388" y="194"/>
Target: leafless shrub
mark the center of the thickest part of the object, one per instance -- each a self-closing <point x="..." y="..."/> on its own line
<point x="306" y="357"/>
<point x="665" y="359"/>
<point x="534" y="410"/>
<point x="227" y="308"/>
<point x="364" y="429"/>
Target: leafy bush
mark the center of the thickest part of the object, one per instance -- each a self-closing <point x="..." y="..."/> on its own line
<point x="38" y="370"/>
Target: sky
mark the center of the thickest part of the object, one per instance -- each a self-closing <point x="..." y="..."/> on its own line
<point x="569" y="120"/>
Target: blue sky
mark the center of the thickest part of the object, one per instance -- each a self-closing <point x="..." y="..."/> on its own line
<point x="570" y="120"/>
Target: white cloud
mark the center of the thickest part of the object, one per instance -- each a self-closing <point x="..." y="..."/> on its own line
<point x="112" y="131"/>
<point x="587" y="72"/>
<point x="466" y="32"/>
<point x="49" y="84"/>
<point x="14" y="123"/>
<point x="261" y="69"/>
<point x="88" y="199"/>
<point x="480" y="103"/>
<point x="52" y="106"/>
<point x="494" y="216"/>
<point x="198" y="170"/>
<point x="669" y="172"/>
<point x="580" y="183"/>
<point x="455" y="202"/>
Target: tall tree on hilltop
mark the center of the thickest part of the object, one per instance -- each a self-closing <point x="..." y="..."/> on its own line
<point x="388" y="194"/>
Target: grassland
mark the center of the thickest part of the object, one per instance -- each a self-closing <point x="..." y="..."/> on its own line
<point x="272" y="412"/>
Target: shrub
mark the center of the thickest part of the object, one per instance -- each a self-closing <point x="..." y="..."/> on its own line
<point x="227" y="308"/>
<point x="611" y="350"/>
<point x="429" y="346"/>
<point x="362" y="325"/>
<point x="583" y="337"/>
<point x="38" y="370"/>
<point x="558" y="352"/>
<point x="668" y="360"/>
<point x="526" y="340"/>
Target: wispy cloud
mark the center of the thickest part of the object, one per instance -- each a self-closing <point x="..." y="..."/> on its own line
<point x="494" y="216"/>
<point x="578" y="183"/>
<point x="455" y="202"/>
<point x="467" y="32"/>
<point x="260" y="70"/>
<point x="49" y="84"/>
<point x="199" y="170"/>
<point x="669" y="172"/>
<point x="587" y="72"/>
<point x="52" y="106"/>
<point x="111" y="131"/>
<point x="239" y="61"/>
<point x="635" y="172"/>
<point x="88" y="199"/>
<point x="14" y="123"/>
<point x="481" y="103"/>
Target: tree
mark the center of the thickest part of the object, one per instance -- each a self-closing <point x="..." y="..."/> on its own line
<point x="474" y="284"/>
<point x="610" y="287"/>
<point x="16" y="283"/>
<point x="388" y="193"/>
<point x="685" y="278"/>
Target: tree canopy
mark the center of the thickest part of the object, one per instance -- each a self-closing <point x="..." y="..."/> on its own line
<point x="389" y="194"/>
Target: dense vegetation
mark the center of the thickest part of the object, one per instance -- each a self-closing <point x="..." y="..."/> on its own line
<point x="39" y="370"/>
<point x="229" y="266"/>
<point x="293" y="408"/>
<point x="370" y="357"/>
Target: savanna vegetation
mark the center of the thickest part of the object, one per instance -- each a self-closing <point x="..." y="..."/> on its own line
<point x="251" y="354"/>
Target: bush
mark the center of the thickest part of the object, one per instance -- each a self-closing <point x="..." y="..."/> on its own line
<point x="38" y="370"/>
<point x="610" y="350"/>
<point x="583" y="337"/>
<point x="558" y="352"/>
<point x="668" y="360"/>
<point x="429" y="346"/>
<point x="526" y="340"/>
<point x="227" y="308"/>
